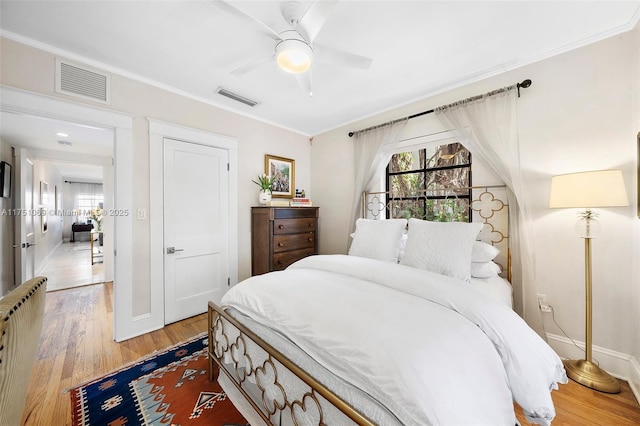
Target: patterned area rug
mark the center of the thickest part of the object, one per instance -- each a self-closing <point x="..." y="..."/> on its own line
<point x="170" y="387"/>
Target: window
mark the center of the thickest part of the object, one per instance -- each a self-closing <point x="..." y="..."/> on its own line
<point x="86" y="202"/>
<point x="423" y="183"/>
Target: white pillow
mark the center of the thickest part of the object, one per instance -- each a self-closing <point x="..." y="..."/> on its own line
<point x="441" y="247"/>
<point x="378" y="239"/>
<point x="485" y="269"/>
<point x="483" y="252"/>
<point x="403" y="246"/>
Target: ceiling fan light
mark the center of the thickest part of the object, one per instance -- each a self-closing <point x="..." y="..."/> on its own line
<point x="294" y="56"/>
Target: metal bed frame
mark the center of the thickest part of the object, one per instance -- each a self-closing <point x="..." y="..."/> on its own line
<point x="278" y="390"/>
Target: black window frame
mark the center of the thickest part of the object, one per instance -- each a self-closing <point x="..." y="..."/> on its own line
<point x="424" y="171"/>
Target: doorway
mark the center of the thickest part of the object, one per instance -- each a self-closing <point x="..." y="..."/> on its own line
<point x="79" y="259"/>
<point x="196" y="223"/>
<point x="20" y="102"/>
<point x="227" y="274"/>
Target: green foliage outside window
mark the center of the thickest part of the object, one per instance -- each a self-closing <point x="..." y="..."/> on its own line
<point x="443" y="168"/>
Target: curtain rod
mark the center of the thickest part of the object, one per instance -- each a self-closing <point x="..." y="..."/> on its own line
<point x="524" y="84"/>
<point x="91" y="182"/>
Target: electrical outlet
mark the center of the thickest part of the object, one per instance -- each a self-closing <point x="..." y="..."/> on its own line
<point x="542" y="303"/>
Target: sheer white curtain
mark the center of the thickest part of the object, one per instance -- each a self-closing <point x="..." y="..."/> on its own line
<point x="370" y="158"/>
<point x="487" y="126"/>
<point x="86" y="197"/>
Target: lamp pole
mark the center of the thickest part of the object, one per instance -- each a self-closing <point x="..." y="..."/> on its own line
<point x="584" y="371"/>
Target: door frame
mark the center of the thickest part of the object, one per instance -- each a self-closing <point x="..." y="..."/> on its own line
<point x="20" y="272"/>
<point x="18" y="101"/>
<point x="158" y="130"/>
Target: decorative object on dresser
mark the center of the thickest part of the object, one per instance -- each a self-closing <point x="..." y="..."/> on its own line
<point x="602" y="188"/>
<point x="281" y="171"/>
<point x="282" y="235"/>
<point x="264" y="182"/>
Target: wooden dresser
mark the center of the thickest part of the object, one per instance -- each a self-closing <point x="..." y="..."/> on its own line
<point x="282" y="235"/>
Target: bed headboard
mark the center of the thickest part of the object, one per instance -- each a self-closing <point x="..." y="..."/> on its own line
<point x="483" y="204"/>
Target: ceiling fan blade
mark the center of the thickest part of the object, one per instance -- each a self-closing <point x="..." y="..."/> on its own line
<point x="315" y="17"/>
<point x="328" y="55"/>
<point x="304" y="81"/>
<point x="242" y="16"/>
<point x="252" y="65"/>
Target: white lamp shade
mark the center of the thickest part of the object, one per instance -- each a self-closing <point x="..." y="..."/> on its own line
<point x="601" y="188"/>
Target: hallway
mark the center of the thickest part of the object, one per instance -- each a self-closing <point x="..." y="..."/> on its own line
<point x="70" y="266"/>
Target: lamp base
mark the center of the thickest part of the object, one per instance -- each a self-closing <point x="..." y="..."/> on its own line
<point x="590" y="375"/>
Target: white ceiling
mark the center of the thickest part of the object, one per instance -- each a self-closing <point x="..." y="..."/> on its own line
<point x="418" y="48"/>
<point x="80" y="157"/>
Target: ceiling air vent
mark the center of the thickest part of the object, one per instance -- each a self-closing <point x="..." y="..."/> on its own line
<point x="236" y="97"/>
<point x="80" y="81"/>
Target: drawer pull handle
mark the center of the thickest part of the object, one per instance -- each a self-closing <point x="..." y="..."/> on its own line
<point x="280" y="244"/>
<point x="280" y="261"/>
<point x="280" y="226"/>
<point x="310" y="223"/>
<point x="310" y="240"/>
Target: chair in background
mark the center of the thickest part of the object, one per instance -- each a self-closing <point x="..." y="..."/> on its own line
<point x="21" y="315"/>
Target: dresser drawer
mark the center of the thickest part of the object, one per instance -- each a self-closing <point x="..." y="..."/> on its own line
<point x="284" y="259"/>
<point x="286" y="242"/>
<point x="293" y="226"/>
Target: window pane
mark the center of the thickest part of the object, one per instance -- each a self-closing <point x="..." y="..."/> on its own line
<point x="422" y="179"/>
<point x="406" y="183"/>
<point x="448" y="178"/>
<point x="450" y="210"/>
<point x="446" y="155"/>
<point x="406" y="161"/>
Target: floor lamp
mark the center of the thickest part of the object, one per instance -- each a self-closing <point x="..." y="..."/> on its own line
<point x="602" y="188"/>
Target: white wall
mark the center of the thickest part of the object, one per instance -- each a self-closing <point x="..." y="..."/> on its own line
<point x="6" y="228"/>
<point x="32" y="69"/>
<point x="46" y="242"/>
<point x="635" y="294"/>
<point x="578" y="115"/>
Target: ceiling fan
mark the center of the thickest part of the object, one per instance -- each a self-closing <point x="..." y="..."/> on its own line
<point x="295" y="50"/>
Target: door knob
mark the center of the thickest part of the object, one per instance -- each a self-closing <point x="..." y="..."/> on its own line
<point x="172" y="250"/>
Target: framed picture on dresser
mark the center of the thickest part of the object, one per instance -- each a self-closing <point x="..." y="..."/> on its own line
<point x="282" y="171"/>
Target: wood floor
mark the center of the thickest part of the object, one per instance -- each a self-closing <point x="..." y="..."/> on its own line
<point x="70" y="266"/>
<point x="76" y="346"/>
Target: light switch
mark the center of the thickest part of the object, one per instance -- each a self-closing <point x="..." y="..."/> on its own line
<point x="142" y="214"/>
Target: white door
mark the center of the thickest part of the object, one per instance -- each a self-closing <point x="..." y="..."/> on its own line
<point x="196" y="223"/>
<point x="24" y="237"/>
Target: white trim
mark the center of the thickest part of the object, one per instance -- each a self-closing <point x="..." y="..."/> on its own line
<point x="158" y="130"/>
<point x="634" y="378"/>
<point x="19" y="101"/>
<point x="48" y="258"/>
<point x="137" y="77"/>
<point x="616" y="363"/>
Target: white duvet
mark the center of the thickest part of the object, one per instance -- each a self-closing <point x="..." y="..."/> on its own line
<point x="434" y="350"/>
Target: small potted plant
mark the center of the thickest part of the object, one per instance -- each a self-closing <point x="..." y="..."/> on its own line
<point x="265" y="183"/>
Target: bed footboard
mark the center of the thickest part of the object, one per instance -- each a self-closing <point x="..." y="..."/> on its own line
<point x="278" y="390"/>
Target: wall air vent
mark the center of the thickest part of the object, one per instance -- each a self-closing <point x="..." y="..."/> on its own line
<point x="83" y="82"/>
<point x="236" y="97"/>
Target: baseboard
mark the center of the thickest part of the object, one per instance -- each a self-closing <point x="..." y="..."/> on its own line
<point x="617" y="364"/>
<point x="46" y="259"/>
<point x="634" y="378"/>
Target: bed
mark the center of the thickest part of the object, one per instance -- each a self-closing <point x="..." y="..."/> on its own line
<point x="401" y="331"/>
